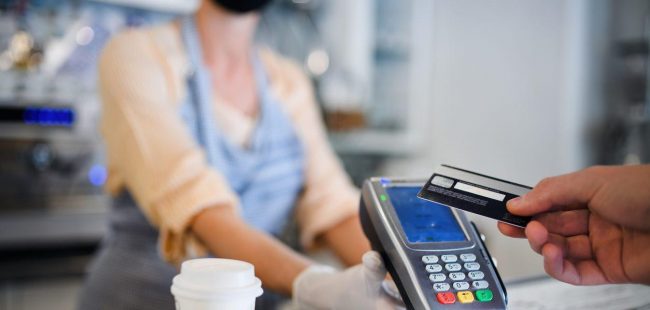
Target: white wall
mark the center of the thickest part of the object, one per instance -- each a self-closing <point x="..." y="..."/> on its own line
<point x="514" y="91"/>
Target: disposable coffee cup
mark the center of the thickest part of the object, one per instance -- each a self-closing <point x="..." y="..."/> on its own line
<point x="216" y="283"/>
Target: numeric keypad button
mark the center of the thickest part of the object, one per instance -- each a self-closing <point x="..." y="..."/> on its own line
<point x="437" y="277"/>
<point x="468" y="257"/>
<point x="441" y="287"/>
<point x="429" y="259"/>
<point x="449" y="258"/>
<point x="472" y="266"/>
<point x="480" y="284"/>
<point x="459" y="286"/>
<point x="476" y="275"/>
<point x="434" y="268"/>
<point x="457" y="276"/>
<point x="453" y="267"/>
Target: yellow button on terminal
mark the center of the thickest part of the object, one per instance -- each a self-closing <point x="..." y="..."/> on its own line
<point x="465" y="297"/>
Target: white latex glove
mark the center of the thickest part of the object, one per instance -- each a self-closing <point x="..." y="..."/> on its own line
<point x="358" y="287"/>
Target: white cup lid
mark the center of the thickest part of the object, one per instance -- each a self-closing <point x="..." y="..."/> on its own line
<point x="210" y="278"/>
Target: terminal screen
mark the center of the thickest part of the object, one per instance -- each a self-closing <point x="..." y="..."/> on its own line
<point x="423" y="221"/>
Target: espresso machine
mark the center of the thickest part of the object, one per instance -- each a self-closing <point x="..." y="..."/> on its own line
<point x="52" y="206"/>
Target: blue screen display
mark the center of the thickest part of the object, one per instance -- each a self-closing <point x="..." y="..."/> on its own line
<point x="423" y="221"/>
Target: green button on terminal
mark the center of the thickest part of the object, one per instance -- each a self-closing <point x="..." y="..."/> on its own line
<point x="484" y="295"/>
<point x="382" y="197"/>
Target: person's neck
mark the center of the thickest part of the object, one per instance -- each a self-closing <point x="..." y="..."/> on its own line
<point x="226" y="38"/>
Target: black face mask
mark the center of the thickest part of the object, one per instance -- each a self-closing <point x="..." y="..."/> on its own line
<point x="242" y="6"/>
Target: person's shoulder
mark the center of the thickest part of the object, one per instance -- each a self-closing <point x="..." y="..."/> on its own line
<point x="137" y="43"/>
<point x="132" y="63"/>
<point x="288" y="80"/>
<point x="127" y="54"/>
<point x="282" y="71"/>
<point x="126" y="42"/>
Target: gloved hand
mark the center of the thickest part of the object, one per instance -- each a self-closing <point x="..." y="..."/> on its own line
<point x="358" y="287"/>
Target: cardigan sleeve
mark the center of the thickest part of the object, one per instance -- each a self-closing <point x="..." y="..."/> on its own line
<point x="150" y="152"/>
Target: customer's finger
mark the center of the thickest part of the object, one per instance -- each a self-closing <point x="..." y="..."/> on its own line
<point x="577" y="247"/>
<point x="563" y="192"/>
<point x="511" y="231"/>
<point x="537" y="236"/>
<point x="559" y="268"/>
<point x="573" y="247"/>
<point x="585" y="272"/>
<point x="566" y="223"/>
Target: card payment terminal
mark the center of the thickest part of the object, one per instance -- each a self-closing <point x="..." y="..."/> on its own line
<point x="433" y="253"/>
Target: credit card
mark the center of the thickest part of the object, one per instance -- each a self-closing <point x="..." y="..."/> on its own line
<point x="474" y="192"/>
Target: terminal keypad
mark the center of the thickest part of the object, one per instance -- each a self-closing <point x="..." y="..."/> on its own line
<point x="457" y="278"/>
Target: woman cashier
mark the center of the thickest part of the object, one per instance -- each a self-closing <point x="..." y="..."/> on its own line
<point x="216" y="147"/>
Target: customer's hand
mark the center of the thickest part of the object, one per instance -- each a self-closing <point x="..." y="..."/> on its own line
<point x="358" y="287"/>
<point x="591" y="226"/>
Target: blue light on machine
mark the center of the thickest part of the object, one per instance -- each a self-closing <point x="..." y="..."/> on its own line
<point x="49" y="116"/>
<point x="97" y="175"/>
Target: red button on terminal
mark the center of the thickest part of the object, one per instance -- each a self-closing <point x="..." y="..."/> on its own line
<point x="446" y="298"/>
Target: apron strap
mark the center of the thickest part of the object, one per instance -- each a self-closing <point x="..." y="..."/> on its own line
<point x="219" y="151"/>
<point x="199" y="90"/>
